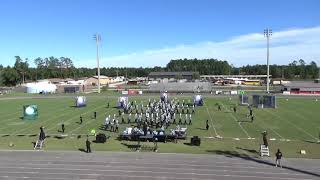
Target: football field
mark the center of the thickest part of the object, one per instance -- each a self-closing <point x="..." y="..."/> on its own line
<point x="293" y="126"/>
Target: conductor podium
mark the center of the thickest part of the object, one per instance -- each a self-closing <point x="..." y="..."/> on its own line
<point x="264" y="151"/>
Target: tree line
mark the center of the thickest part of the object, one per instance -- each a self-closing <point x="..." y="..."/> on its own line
<point x="294" y="70"/>
<point x="52" y="67"/>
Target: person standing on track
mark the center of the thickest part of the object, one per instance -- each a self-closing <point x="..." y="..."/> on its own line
<point x="42" y="135"/>
<point x="88" y="145"/>
<point x="278" y="158"/>
<point x="264" y="138"/>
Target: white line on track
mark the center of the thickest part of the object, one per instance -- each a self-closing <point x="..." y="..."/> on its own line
<point x="147" y="164"/>
<point x="153" y="177"/>
<point x="165" y="170"/>
<point x="109" y="176"/>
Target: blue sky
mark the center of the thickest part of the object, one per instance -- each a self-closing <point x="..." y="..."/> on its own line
<point x="151" y="32"/>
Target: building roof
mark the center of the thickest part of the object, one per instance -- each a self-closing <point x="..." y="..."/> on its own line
<point x="302" y="84"/>
<point x="183" y="73"/>
<point x="101" y="77"/>
<point x="235" y="76"/>
<point x="56" y="80"/>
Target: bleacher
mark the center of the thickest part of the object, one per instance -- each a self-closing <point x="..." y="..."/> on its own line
<point x="181" y="87"/>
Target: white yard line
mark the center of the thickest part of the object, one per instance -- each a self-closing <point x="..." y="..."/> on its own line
<point x="86" y="112"/>
<point x="43" y="123"/>
<point x="31" y="126"/>
<point x="236" y="120"/>
<point x="262" y="122"/>
<point x="58" y="110"/>
<point x="215" y="131"/>
<point x="301" y="116"/>
<point x="298" y="128"/>
<point x="88" y="122"/>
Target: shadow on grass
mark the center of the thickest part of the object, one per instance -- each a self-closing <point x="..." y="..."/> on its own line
<point x="132" y="147"/>
<point x="188" y="144"/>
<point x="21" y="135"/>
<point x="204" y="129"/>
<point x="58" y="137"/>
<point x="6" y="135"/>
<point x="32" y="135"/>
<point x="102" y="128"/>
<point x="312" y="142"/>
<point x="235" y="154"/>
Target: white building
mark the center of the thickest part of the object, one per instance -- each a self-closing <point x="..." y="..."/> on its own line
<point x="41" y="87"/>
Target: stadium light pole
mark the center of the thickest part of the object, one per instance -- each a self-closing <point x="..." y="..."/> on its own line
<point x="97" y="37"/>
<point x="267" y="33"/>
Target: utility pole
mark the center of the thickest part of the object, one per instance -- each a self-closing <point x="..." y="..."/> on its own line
<point x="319" y="73"/>
<point x="97" y="37"/>
<point x="267" y="34"/>
<point x="23" y="77"/>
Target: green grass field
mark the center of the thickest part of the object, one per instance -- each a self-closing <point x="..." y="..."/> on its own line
<point x="294" y="125"/>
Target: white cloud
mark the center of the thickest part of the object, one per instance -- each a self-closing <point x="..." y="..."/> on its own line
<point x="241" y="50"/>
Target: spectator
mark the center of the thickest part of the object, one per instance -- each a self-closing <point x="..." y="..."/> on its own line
<point x="278" y="158"/>
<point x="264" y="138"/>
<point x="62" y="128"/>
<point x="88" y="145"/>
<point x="42" y="135"/>
<point x="80" y="119"/>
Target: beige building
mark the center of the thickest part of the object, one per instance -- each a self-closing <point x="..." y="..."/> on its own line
<point x="93" y="81"/>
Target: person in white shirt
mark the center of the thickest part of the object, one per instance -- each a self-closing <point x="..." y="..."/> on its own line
<point x="106" y="123"/>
